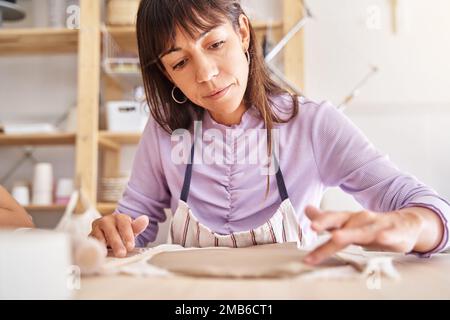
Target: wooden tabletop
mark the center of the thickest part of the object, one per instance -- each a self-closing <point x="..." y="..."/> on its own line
<point x="420" y="279"/>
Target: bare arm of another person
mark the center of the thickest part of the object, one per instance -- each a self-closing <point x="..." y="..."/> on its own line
<point x="12" y="215"/>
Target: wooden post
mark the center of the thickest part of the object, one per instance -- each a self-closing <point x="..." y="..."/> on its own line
<point x="294" y="52"/>
<point x="88" y="97"/>
<point x="394" y="15"/>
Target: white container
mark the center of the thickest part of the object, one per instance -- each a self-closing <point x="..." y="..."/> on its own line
<point x="125" y="116"/>
<point x="43" y="184"/>
<point x="21" y="194"/>
<point x="36" y="265"/>
<point x="57" y="13"/>
<point x="43" y="198"/>
<point x="64" y="190"/>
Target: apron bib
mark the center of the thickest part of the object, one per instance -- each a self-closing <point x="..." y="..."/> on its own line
<point x="187" y="231"/>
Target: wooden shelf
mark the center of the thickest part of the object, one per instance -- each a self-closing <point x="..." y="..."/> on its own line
<point x="38" y="41"/>
<point x="103" y="207"/>
<point x="51" y="139"/>
<point x="114" y="140"/>
<point x="106" y="208"/>
<point x="51" y="208"/>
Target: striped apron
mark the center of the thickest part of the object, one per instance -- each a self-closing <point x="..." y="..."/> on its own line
<point x="187" y="231"/>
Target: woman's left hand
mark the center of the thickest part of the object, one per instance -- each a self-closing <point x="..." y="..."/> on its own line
<point x="396" y="231"/>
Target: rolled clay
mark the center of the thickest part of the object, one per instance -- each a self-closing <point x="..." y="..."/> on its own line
<point x="265" y="261"/>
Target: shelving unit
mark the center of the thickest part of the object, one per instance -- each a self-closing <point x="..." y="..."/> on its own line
<point x="33" y="42"/>
<point x="98" y="152"/>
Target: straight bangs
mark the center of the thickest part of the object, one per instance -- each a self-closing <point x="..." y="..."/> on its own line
<point x="191" y="17"/>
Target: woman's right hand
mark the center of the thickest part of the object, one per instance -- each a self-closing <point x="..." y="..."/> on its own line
<point x="118" y="231"/>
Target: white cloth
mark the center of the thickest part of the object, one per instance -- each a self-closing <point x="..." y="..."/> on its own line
<point x="356" y="264"/>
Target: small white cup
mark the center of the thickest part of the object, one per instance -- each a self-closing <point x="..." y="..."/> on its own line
<point x="21" y="194"/>
<point x="43" y="184"/>
<point x="64" y="190"/>
<point x="42" y="198"/>
<point x="57" y="13"/>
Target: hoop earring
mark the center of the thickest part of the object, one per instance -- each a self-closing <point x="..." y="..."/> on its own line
<point x="247" y="55"/>
<point x="175" y="99"/>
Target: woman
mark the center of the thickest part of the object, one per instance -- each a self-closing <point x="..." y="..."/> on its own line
<point x="200" y="62"/>
<point x="12" y="215"/>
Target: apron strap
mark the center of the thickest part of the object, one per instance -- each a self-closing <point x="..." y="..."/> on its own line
<point x="188" y="176"/>
<point x="280" y="181"/>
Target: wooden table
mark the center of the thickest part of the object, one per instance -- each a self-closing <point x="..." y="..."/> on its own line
<point x="420" y="279"/>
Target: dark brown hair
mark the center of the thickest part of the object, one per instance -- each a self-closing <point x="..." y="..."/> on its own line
<point x="156" y="25"/>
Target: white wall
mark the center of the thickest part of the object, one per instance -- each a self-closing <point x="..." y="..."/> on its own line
<point x="405" y="108"/>
<point x="414" y="63"/>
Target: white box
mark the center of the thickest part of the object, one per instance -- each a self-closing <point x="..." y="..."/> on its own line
<point x="37" y="264"/>
<point x="125" y="116"/>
